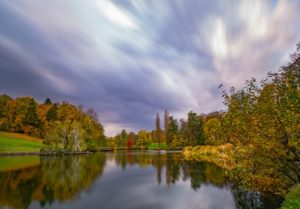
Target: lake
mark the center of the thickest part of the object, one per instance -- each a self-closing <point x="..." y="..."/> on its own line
<point x="122" y="180"/>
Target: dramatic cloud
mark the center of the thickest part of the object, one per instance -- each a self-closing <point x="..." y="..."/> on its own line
<point x="131" y="59"/>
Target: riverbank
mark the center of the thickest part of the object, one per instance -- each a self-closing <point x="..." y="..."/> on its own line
<point x="81" y="152"/>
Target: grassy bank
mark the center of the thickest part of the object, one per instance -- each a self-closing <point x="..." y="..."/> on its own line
<point x="14" y="142"/>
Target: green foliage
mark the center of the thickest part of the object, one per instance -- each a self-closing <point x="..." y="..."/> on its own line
<point x="292" y="199"/>
<point x="143" y="139"/>
<point x="157" y="146"/>
<point x="122" y="138"/>
<point x="111" y="142"/>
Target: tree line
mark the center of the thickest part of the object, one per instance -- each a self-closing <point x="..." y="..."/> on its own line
<point x="175" y="134"/>
<point x="63" y="126"/>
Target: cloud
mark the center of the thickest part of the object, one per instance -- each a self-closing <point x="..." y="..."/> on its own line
<point x="131" y="59"/>
<point x="115" y="14"/>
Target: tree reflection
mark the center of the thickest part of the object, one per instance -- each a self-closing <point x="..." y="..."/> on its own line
<point x="56" y="178"/>
<point x="254" y="200"/>
<point x="65" y="178"/>
<point x="176" y="168"/>
<point x="198" y="173"/>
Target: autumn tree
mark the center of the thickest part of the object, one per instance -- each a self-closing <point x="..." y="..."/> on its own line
<point x="212" y="129"/>
<point x="262" y="121"/>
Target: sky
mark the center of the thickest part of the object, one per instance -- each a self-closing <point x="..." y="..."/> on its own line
<point x="130" y="59"/>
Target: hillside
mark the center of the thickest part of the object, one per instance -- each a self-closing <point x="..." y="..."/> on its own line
<point x="15" y="142"/>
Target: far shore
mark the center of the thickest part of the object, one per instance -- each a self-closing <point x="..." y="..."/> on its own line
<point x="82" y="153"/>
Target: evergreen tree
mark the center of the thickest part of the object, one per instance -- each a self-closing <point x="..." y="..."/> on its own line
<point x="31" y="116"/>
<point x="123" y="137"/>
<point x="183" y="131"/>
<point x="157" y="125"/>
<point x="166" y="124"/>
<point x="52" y="113"/>
<point x="195" y="129"/>
<point x="47" y="101"/>
<point x="172" y="130"/>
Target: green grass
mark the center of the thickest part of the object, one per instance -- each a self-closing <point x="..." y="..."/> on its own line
<point x="292" y="199"/>
<point x="13" y="142"/>
<point x="156" y="146"/>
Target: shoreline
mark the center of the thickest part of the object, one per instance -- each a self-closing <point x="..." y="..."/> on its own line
<point x="41" y="153"/>
<point x="4" y="154"/>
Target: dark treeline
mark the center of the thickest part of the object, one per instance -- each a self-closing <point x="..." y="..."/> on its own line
<point x="63" y="126"/>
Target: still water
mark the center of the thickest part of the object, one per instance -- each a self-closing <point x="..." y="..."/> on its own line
<point x="122" y="180"/>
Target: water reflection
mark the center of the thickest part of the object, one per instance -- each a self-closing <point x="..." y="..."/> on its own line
<point x="54" y="179"/>
<point x="128" y="180"/>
